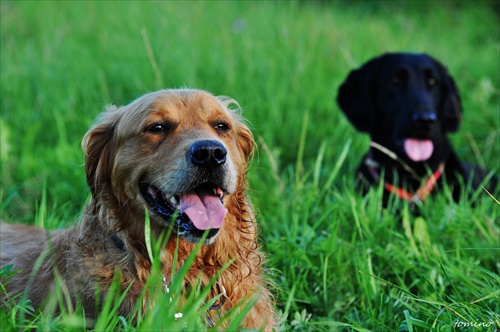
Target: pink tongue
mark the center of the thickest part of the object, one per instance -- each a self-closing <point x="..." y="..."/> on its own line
<point x="418" y="150"/>
<point x="204" y="209"/>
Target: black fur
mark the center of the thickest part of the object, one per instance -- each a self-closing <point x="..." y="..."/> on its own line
<point x="403" y="95"/>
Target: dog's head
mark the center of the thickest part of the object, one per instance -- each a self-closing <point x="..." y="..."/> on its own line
<point x="406" y="102"/>
<point x="179" y="153"/>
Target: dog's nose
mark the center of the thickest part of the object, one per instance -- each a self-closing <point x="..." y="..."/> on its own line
<point x="424" y="117"/>
<point x="207" y="153"/>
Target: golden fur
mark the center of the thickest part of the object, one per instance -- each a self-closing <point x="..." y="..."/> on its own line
<point x="148" y="140"/>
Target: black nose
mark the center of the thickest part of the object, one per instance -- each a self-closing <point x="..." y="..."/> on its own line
<point x="424" y="117"/>
<point x="207" y="153"/>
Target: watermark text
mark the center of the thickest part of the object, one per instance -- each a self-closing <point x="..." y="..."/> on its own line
<point x="459" y="323"/>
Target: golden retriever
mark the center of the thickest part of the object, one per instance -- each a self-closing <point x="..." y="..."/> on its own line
<point x="182" y="154"/>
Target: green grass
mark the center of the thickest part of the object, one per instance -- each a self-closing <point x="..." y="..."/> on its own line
<point x="338" y="260"/>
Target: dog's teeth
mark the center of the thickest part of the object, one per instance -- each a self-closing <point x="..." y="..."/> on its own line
<point x="173" y="200"/>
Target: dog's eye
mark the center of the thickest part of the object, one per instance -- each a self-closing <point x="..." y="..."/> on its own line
<point x="157" y="128"/>
<point x="221" y="126"/>
<point x="399" y="78"/>
<point x="430" y="78"/>
<point x="395" y="81"/>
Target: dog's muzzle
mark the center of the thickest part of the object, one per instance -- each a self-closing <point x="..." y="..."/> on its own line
<point x="199" y="207"/>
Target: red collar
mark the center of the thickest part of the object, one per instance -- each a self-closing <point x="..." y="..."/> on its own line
<point x="416" y="198"/>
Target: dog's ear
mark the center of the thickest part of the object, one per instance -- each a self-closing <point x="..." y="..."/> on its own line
<point x="355" y="96"/>
<point x="246" y="141"/>
<point x="450" y="99"/>
<point x="98" y="145"/>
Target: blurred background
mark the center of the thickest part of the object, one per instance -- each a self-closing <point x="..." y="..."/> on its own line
<point x="62" y="62"/>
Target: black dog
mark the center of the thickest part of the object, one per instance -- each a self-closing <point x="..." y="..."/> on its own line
<point x="407" y="103"/>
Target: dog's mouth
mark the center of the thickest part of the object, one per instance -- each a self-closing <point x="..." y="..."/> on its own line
<point x="197" y="210"/>
<point x="418" y="150"/>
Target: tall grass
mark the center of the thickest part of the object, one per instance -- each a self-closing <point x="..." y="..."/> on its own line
<point x="338" y="260"/>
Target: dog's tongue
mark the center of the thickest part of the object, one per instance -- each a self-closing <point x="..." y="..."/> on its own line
<point x="204" y="208"/>
<point x="418" y="150"/>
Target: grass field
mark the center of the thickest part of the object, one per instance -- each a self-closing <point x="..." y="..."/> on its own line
<point x="339" y="262"/>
